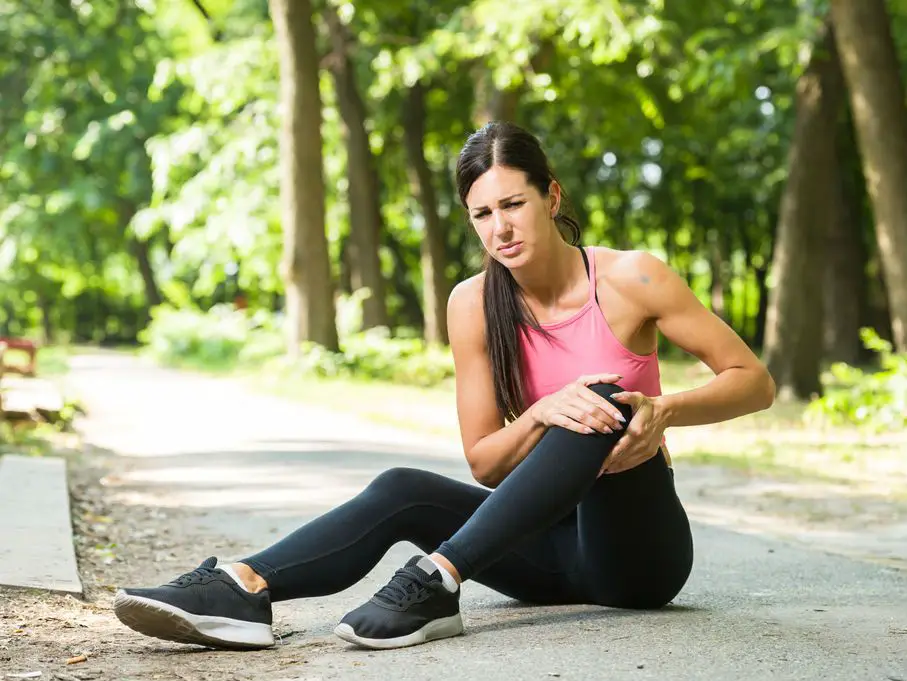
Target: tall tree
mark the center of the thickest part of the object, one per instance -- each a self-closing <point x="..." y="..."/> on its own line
<point x="366" y="222"/>
<point x="306" y="268"/>
<point x="794" y="331"/>
<point x="436" y="286"/>
<point x="872" y="74"/>
<point x="845" y="271"/>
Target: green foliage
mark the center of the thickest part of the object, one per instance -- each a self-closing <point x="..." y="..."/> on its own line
<point x="145" y="128"/>
<point x="30" y="441"/>
<point x="875" y="399"/>
<point x="214" y="168"/>
<point x="218" y="339"/>
<point x="225" y="338"/>
<point x="374" y="355"/>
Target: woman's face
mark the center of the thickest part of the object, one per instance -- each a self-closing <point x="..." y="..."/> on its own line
<point x="510" y="216"/>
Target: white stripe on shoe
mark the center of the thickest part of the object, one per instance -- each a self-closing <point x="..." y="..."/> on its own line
<point x="439" y="628"/>
<point x="164" y="621"/>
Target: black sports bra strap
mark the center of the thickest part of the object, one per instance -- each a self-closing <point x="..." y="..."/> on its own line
<point x="586" y="263"/>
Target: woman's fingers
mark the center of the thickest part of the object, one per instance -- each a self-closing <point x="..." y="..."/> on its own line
<point x="632" y="457"/>
<point x="615" y="418"/>
<point x="632" y="399"/>
<point x="588" y="415"/>
<point x="568" y="423"/>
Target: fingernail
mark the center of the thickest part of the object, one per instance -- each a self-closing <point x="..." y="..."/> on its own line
<point x="608" y="430"/>
<point x="620" y="417"/>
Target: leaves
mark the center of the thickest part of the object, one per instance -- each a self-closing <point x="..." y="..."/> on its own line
<point x="125" y="123"/>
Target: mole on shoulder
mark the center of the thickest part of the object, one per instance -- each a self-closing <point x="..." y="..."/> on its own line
<point x="645" y="279"/>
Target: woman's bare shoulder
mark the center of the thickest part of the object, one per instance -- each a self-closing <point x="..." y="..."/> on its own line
<point x="465" y="313"/>
<point x="468" y="293"/>
<point x="628" y="269"/>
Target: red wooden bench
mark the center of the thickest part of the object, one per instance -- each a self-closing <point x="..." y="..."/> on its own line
<point x="22" y="345"/>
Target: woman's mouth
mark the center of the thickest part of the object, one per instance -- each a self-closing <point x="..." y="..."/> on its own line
<point x="511" y="249"/>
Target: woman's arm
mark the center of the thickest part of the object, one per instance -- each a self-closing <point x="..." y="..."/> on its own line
<point x="742" y="383"/>
<point x="492" y="449"/>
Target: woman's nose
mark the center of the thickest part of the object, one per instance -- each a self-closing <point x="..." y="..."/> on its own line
<point x="500" y="221"/>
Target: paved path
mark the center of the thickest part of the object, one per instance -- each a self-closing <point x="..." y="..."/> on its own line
<point x="255" y="467"/>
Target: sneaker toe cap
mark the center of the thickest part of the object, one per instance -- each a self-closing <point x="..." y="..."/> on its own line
<point x="369" y="621"/>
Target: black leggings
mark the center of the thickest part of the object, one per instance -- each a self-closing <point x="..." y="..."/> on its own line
<point x="551" y="533"/>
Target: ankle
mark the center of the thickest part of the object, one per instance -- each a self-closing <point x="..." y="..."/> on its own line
<point x="251" y="579"/>
<point x="438" y="559"/>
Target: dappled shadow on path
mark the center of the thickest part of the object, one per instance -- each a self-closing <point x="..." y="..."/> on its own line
<point x="289" y="479"/>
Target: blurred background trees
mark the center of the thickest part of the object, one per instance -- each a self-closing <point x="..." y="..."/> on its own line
<point x="245" y="177"/>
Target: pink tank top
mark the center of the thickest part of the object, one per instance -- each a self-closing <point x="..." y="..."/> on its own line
<point x="583" y="344"/>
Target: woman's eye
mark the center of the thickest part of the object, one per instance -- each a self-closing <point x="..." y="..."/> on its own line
<point x="514" y="204"/>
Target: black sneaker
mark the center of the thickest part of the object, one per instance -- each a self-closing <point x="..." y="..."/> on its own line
<point x="414" y="607"/>
<point x="205" y="606"/>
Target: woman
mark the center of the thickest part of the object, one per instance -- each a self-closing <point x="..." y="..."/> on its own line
<point x="561" y="411"/>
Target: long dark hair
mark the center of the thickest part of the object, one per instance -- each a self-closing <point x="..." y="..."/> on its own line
<point x="506" y="144"/>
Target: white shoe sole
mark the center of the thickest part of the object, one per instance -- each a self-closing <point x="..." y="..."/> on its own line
<point x="440" y="628"/>
<point x="164" y="621"/>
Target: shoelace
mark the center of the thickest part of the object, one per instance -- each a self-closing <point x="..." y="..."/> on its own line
<point x="204" y="570"/>
<point x="406" y="581"/>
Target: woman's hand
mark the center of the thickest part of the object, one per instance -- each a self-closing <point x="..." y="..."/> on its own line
<point x="577" y="408"/>
<point x="641" y="438"/>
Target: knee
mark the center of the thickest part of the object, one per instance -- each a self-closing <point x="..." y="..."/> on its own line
<point x="395" y="481"/>
<point x="606" y="390"/>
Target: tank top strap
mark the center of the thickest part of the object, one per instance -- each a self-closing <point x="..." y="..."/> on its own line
<point x="590" y="258"/>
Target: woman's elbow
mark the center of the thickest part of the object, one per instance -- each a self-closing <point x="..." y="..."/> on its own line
<point x="768" y="390"/>
<point x="482" y="473"/>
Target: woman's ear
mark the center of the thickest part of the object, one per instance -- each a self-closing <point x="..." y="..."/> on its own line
<point x="554" y="197"/>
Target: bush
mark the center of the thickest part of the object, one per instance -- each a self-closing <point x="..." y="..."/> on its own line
<point x="877" y="399"/>
<point x="226" y="338"/>
<point x="220" y="338"/>
<point x="375" y="355"/>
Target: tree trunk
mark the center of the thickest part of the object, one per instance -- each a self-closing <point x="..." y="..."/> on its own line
<point x="410" y="308"/>
<point x="141" y="252"/>
<point x="878" y="306"/>
<point x="493" y="104"/>
<point x="139" y="249"/>
<point x="345" y="278"/>
<point x="871" y="71"/>
<point x="794" y="320"/>
<point x="435" y="285"/>
<point x="47" y="327"/>
<point x="366" y="223"/>
<point x="718" y="270"/>
<point x="305" y="266"/>
<point x="845" y="274"/>
<point x="761" y="275"/>
<point x="844" y="288"/>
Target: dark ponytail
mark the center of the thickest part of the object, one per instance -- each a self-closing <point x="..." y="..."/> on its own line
<point x="505" y="310"/>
